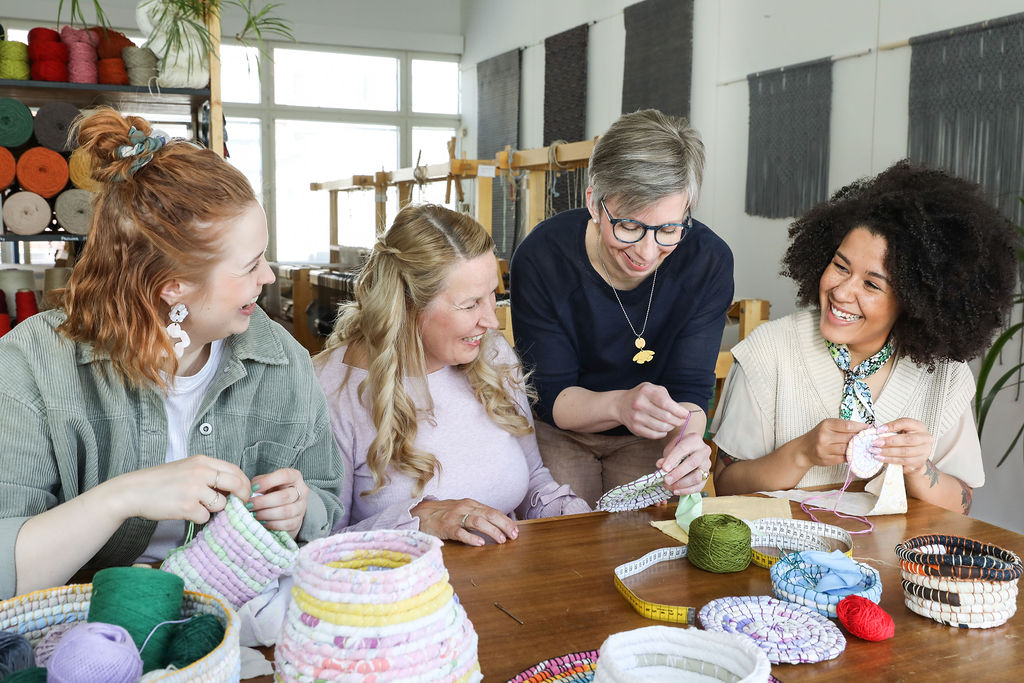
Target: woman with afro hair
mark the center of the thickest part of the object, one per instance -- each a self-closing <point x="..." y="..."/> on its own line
<point x="906" y="277"/>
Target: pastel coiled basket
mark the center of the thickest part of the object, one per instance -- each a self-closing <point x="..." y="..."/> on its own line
<point x="33" y="614"/>
<point x="375" y="606"/>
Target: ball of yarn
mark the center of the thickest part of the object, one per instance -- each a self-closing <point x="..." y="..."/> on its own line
<point x="26" y="213"/>
<point x="35" y="674"/>
<point x="71" y="35"/>
<point x="15" y="653"/>
<point x="49" y="70"/>
<point x="48" y="643"/>
<point x="112" y="71"/>
<point x="193" y="640"/>
<point x="73" y="209"/>
<point x="865" y="619"/>
<point x="139" y="599"/>
<point x="53" y="124"/>
<point x="39" y="52"/>
<point x="141" y="64"/>
<point x="719" y="543"/>
<point x="15" y="122"/>
<point x="7" y="168"/>
<point x="42" y="171"/>
<point x="95" y="653"/>
<point x="41" y="34"/>
<point x="82" y="66"/>
<point x="110" y="43"/>
<point x="80" y="171"/>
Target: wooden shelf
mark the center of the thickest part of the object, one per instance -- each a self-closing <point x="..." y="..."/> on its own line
<point x="42" y="237"/>
<point x="129" y="98"/>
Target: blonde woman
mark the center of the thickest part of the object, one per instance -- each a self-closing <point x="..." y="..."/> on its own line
<point x="428" y="405"/>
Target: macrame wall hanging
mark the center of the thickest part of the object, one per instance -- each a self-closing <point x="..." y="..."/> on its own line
<point x="498" y="116"/>
<point x="658" y="57"/>
<point x="788" y="146"/>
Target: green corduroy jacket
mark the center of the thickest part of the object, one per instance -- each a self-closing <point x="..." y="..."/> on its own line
<point x="67" y="424"/>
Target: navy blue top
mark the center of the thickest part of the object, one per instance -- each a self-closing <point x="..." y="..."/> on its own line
<point x="570" y="330"/>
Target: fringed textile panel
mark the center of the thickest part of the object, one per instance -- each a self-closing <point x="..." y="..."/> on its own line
<point x="967" y="106"/>
<point x="498" y="116"/>
<point x="565" y="100"/>
<point x="659" y="56"/>
<point x="788" y="146"/>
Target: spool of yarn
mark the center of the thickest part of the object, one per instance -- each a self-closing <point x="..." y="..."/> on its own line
<point x="140" y="63"/>
<point x="35" y="674"/>
<point x="865" y="619"/>
<point x="41" y="34"/>
<point x="719" y="543"/>
<point x="7" y="168"/>
<point x="95" y="652"/>
<point x="15" y="119"/>
<point x="54" y="279"/>
<point x="15" y="653"/>
<point x="25" y="304"/>
<point x="139" y="599"/>
<point x="11" y="280"/>
<point x="42" y="171"/>
<point x="73" y="209"/>
<point x="47" y="51"/>
<point x="26" y="213"/>
<point x="5" y="324"/>
<point x="48" y="643"/>
<point x="82" y="55"/>
<point x="52" y="125"/>
<point x="193" y="640"/>
<point x="14" y="60"/>
<point x="112" y="71"/>
<point x="80" y="171"/>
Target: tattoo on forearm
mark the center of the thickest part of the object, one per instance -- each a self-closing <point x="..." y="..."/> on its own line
<point x="966" y="496"/>
<point x="932" y="472"/>
<point x="725" y="459"/>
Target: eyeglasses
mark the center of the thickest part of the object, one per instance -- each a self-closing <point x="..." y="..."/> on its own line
<point x="630" y="231"/>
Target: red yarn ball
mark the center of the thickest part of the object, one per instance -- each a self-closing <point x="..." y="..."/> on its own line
<point x="864" y="619"/>
<point x="40" y="52"/>
<point x="50" y="70"/>
<point x="42" y="35"/>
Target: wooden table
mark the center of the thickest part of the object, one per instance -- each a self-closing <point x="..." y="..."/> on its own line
<point x="557" y="578"/>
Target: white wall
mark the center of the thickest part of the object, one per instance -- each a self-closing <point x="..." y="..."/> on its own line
<point x="731" y="39"/>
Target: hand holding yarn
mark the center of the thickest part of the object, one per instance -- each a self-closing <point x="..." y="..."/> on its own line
<point x="648" y="411"/>
<point x="908" y="444"/>
<point x="686" y="463"/>
<point x="281" y="505"/>
<point x="192" y="489"/>
<point x="457" y="520"/>
<point x="825" y="445"/>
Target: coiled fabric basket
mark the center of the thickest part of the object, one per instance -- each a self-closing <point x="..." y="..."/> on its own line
<point x="959" y="581"/>
<point x="33" y="614"/>
<point x="669" y="653"/>
<point x="793" y="579"/>
<point x="375" y="605"/>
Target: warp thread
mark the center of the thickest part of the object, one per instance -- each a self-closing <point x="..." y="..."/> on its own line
<point x="865" y="619"/>
<point x="15" y="120"/>
<point x="15" y="653"/>
<point x="139" y="599"/>
<point x="719" y="543"/>
<point x="95" y="652"/>
<point x="26" y="213"/>
<point x="73" y="209"/>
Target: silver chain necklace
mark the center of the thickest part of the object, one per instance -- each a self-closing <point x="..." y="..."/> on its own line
<point x="642" y="355"/>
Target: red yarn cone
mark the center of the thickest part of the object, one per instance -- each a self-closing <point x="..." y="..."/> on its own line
<point x="864" y="619"/>
<point x="25" y="304"/>
<point x="5" y="324"/>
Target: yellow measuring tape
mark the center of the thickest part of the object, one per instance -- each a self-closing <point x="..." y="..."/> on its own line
<point x="654" y="610"/>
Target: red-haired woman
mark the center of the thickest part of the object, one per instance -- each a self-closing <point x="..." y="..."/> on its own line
<point x="158" y="354"/>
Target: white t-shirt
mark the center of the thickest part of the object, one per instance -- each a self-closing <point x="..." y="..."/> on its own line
<point x="182" y="403"/>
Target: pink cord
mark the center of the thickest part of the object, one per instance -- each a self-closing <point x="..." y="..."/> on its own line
<point x="807" y="509"/>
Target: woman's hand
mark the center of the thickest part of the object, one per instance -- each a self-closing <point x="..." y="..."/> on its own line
<point x="825" y="445"/>
<point x="457" y="519"/>
<point x="648" y="411"/>
<point x="686" y="464"/>
<point x="906" y="442"/>
<point x="191" y="489"/>
<point x="282" y="499"/>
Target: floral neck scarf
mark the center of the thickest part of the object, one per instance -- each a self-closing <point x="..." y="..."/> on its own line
<point x="856" y="403"/>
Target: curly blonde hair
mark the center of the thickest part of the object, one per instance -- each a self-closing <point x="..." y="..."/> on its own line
<point x="407" y="269"/>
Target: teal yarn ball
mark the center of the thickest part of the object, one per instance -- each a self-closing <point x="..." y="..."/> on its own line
<point x="138" y="599"/>
<point x="193" y="640"/>
<point x="35" y="674"/>
<point x="719" y="543"/>
<point x="15" y="653"/>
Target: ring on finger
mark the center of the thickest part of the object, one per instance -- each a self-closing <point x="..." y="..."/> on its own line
<point x="464" y="518"/>
<point x="216" y="479"/>
<point x="704" y="475"/>
<point x="212" y="504"/>
<point x="297" y="494"/>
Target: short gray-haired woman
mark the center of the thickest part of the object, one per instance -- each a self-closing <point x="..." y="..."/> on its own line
<point x="618" y="310"/>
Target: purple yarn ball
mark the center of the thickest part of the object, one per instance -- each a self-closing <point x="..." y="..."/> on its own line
<point x="94" y="652"/>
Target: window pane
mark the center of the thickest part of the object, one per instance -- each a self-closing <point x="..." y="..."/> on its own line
<point x="316" y="151"/>
<point x="433" y="143"/>
<point x="435" y="87"/>
<point x="239" y="74"/>
<point x="327" y="79"/>
<point x="245" y="151"/>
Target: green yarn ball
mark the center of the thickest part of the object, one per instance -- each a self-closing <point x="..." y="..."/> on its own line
<point x="35" y="674"/>
<point x="193" y="640"/>
<point x="719" y="544"/>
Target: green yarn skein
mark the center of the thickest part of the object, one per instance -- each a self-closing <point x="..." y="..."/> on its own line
<point x="193" y="640"/>
<point x="719" y="543"/>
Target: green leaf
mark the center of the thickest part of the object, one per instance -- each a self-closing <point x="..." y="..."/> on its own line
<point x="987" y="361"/>
<point x="991" y="395"/>
<point x="1012" y="444"/>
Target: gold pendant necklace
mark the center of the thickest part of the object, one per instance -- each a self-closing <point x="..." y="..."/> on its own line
<point x="643" y="355"/>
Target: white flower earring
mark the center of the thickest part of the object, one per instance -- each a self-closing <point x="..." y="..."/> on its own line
<point x="177" y="314"/>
